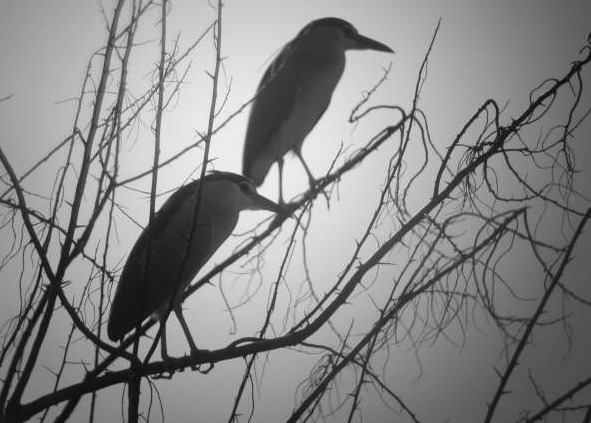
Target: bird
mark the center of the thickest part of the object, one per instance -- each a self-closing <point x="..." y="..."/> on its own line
<point x="172" y="263"/>
<point x="294" y="93"/>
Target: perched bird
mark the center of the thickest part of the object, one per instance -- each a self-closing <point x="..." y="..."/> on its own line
<point x="295" y="91"/>
<point x="170" y="267"/>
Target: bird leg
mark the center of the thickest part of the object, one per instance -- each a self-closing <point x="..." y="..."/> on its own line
<point x="280" y="172"/>
<point x="168" y="360"/>
<point x="163" y="350"/>
<point x="313" y="181"/>
<point x="310" y="176"/>
<point x="179" y="314"/>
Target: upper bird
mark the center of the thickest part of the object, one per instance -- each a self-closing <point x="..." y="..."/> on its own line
<point x="172" y="261"/>
<point x="295" y="91"/>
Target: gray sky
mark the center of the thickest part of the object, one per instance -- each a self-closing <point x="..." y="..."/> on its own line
<point x="485" y="49"/>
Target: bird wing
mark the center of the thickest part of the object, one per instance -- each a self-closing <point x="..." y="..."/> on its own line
<point x="268" y="112"/>
<point x="169" y="231"/>
<point x="163" y="218"/>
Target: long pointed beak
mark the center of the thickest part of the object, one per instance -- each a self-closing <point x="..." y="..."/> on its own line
<point x="366" y="43"/>
<point x="265" y="204"/>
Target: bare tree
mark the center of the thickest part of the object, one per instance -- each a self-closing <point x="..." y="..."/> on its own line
<point x="428" y="266"/>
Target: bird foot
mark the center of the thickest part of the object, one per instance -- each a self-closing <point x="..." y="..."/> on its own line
<point x="164" y="375"/>
<point x="203" y="368"/>
<point x="194" y="354"/>
<point x="315" y="188"/>
<point x="170" y="366"/>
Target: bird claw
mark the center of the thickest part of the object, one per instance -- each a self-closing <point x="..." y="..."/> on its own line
<point x="196" y="354"/>
<point x="164" y="375"/>
<point x="315" y="187"/>
<point x="204" y="368"/>
<point x="170" y="364"/>
<point x="193" y="355"/>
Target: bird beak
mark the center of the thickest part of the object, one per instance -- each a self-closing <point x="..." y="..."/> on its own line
<point x="366" y="43"/>
<point x="264" y="203"/>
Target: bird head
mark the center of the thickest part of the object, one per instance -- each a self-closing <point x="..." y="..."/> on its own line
<point x="331" y="31"/>
<point x="231" y="191"/>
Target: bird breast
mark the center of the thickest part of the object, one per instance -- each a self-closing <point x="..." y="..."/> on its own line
<point x="315" y="86"/>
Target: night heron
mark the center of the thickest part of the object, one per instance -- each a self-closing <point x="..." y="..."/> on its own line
<point x="295" y="91"/>
<point x="171" y="268"/>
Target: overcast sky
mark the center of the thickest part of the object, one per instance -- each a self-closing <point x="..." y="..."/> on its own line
<point x="485" y="49"/>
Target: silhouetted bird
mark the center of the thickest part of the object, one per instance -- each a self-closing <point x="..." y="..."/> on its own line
<point x="295" y="91"/>
<point x="223" y="196"/>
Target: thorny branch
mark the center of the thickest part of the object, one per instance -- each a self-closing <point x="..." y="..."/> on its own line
<point x="441" y="258"/>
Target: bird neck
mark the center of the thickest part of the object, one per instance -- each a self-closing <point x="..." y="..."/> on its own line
<point x="222" y="206"/>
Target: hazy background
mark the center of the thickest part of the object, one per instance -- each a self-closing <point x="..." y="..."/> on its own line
<point x="485" y="49"/>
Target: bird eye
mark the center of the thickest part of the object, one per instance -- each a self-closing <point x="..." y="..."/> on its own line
<point x="244" y="186"/>
<point x="349" y="31"/>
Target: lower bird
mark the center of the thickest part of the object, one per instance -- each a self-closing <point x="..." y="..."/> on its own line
<point x="294" y="93"/>
<point x="181" y="240"/>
